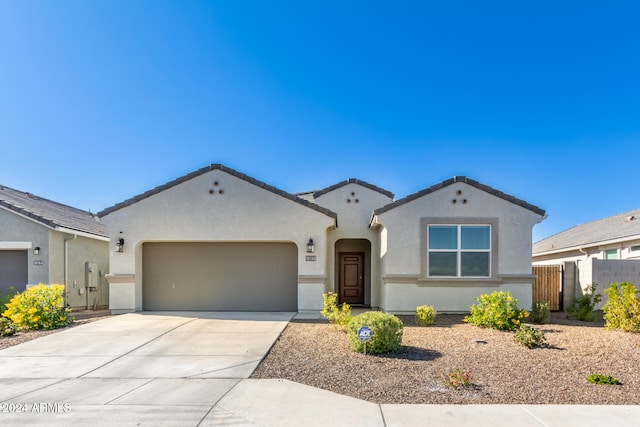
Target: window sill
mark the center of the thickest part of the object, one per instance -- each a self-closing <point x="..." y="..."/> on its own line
<point x="458" y="281"/>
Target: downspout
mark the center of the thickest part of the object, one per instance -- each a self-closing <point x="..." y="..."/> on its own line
<point x="66" y="270"/>
<point x="586" y="254"/>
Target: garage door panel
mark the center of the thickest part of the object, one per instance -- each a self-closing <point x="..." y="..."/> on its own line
<point x="220" y="276"/>
<point x="13" y="270"/>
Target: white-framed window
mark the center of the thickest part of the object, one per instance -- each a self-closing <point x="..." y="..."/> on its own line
<point x="611" y="254"/>
<point x="459" y="250"/>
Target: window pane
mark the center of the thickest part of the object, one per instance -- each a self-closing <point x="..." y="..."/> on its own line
<point x="611" y="254"/>
<point x="475" y="264"/>
<point x="476" y="237"/>
<point x="442" y="264"/>
<point x="443" y="237"/>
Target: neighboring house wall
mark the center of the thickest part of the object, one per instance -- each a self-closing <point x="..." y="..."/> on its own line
<point x="403" y="249"/>
<point x="79" y="251"/>
<point x="214" y="206"/>
<point x="602" y="252"/>
<point x="49" y="265"/>
<point x="19" y="233"/>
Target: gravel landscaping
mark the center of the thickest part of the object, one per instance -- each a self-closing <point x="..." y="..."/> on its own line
<point x="503" y="372"/>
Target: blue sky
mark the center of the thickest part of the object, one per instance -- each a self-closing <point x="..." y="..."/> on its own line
<point x="103" y="100"/>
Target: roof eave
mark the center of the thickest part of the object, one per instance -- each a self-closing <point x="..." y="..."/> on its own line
<point x="589" y="245"/>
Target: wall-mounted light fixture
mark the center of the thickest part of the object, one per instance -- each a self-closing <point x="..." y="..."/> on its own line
<point x="36" y="250"/>
<point x="311" y="248"/>
<point x="119" y="244"/>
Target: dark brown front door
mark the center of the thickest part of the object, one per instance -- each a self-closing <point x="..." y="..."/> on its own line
<point x="350" y="277"/>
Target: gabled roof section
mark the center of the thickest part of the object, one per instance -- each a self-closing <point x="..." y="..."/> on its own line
<point x="353" y="181"/>
<point x="211" y="167"/>
<point x="467" y="181"/>
<point x="620" y="227"/>
<point x="51" y="214"/>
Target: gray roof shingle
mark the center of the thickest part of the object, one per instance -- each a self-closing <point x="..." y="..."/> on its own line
<point x="49" y="213"/>
<point x="616" y="227"/>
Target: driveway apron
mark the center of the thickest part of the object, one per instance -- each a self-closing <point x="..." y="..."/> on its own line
<point x="150" y="368"/>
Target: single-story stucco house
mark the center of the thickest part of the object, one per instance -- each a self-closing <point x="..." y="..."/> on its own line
<point x="42" y="241"/>
<point x="217" y="239"/>
<point x="598" y="252"/>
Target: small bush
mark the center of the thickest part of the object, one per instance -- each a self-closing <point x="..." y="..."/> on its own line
<point x="336" y="316"/>
<point x="39" y="307"/>
<point x="583" y="306"/>
<point x="622" y="309"/>
<point x="541" y="312"/>
<point x="498" y="310"/>
<point x="7" y="327"/>
<point x="529" y="336"/>
<point x="386" y="332"/>
<point x="457" y="378"/>
<point x="603" y="379"/>
<point x="425" y="315"/>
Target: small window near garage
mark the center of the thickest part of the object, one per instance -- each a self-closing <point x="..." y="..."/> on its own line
<point x="635" y="248"/>
<point x="611" y="254"/>
<point x="459" y="250"/>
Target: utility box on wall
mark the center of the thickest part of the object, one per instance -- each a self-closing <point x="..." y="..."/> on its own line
<point x="92" y="283"/>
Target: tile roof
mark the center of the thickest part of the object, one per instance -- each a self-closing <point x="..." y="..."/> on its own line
<point x="617" y="227"/>
<point x="453" y="180"/>
<point x="49" y="213"/>
<point x="228" y="170"/>
<point x="353" y="181"/>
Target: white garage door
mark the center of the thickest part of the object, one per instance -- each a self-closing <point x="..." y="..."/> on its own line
<point x="13" y="270"/>
<point x="220" y="276"/>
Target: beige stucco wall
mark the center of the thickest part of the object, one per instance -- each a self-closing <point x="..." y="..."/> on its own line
<point x="80" y="250"/>
<point x="404" y="286"/>
<point x="353" y="224"/>
<point x="195" y="210"/>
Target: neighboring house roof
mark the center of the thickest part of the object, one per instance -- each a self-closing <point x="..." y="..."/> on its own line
<point x="225" y="169"/>
<point x="51" y="214"/>
<point x="465" y="180"/>
<point x="620" y="227"/>
<point x="352" y="181"/>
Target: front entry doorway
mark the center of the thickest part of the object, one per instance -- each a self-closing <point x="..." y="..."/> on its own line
<point x="351" y="277"/>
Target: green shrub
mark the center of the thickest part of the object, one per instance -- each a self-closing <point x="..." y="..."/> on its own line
<point x="583" y="306"/>
<point x="622" y="309"/>
<point x="425" y="315"/>
<point x="39" y="307"/>
<point x="5" y="297"/>
<point x="457" y="378"/>
<point x="498" y="310"/>
<point x="529" y="336"/>
<point x="386" y="332"/>
<point x="541" y="312"/>
<point x="336" y="316"/>
<point x="603" y="379"/>
<point x="7" y="327"/>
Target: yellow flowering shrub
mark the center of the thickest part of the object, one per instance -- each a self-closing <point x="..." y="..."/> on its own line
<point x="39" y="307"/>
<point x="498" y="310"/>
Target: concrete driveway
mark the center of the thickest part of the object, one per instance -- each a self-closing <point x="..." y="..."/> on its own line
<point x="191" y="369"/>
<point x="151" y="368"/>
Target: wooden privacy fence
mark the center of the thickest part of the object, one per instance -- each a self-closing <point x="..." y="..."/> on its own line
<point x="547" y="286"/>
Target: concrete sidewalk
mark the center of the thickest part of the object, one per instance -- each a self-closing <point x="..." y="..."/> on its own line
<point x="192" y="369"/>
